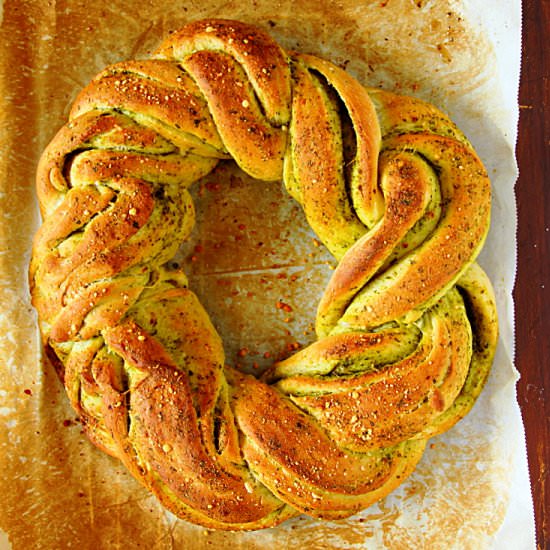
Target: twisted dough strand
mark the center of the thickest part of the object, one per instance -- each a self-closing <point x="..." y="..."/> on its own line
<point x="407" y="325"/>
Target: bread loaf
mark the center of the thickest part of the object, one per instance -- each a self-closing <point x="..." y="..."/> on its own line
<point x="406" y="328"/>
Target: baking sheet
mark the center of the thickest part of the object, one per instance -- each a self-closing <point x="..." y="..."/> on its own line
<point x="258" y="270"/>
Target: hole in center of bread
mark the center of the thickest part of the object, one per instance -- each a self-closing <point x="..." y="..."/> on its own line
<point x="255" y="265"/>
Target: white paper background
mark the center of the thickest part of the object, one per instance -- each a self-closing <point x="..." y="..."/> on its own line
<point x="502" y="20"/>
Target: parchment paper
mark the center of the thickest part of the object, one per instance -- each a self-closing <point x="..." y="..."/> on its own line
<point x="258" y="269"/>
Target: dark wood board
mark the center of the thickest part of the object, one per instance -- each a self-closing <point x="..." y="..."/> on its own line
<point x="532" y="290"/>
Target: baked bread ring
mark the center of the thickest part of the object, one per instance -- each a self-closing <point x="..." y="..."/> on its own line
<point x="407" y="326"/>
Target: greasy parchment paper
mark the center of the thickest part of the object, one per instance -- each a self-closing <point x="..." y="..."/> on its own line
<point x="258" y="270"/>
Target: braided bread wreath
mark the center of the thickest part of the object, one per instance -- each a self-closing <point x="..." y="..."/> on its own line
<point x="406" y="327"/>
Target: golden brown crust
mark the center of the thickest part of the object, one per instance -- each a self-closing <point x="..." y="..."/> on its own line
<point x="408" y="166"/>
<point x="365" y="193"/>
<point x="407" y="326"/>
<point x="263" y="60"/>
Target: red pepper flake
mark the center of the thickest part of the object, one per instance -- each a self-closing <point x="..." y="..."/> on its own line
<point x="243" y="352"/>
<point x="27" y="391"/>
<point x="283" y="306"/>
<point x="267" y="355"/>
<point x="242" y="226"/>
<point x="67" y="423"/>
<point x="292" y="346"/>
<point x="212" y="186"/>
<point x="198" y="248"/>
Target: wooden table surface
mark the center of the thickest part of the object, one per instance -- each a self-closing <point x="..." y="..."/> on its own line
<point x="532" y="289"/>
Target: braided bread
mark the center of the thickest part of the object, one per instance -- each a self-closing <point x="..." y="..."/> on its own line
<point x="406" y="327"/>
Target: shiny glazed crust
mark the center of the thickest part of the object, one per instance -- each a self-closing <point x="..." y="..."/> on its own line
<point x="406" y="327"/>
